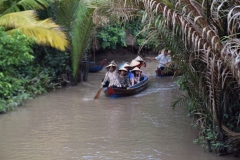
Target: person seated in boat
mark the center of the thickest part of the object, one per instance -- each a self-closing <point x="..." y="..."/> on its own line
<point x="111" y="76"/>
<point x="164" y="59"/>
<point x="129" y="73"/>
<point x="123" y="78"/>
<point x="137" y="75"/>
<point x="133" y="64"/>
<point x="141" y="61"/>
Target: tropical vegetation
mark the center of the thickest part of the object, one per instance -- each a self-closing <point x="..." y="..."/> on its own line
<point x="20" y="29"/>
<point x="18" y="15"/>
<point x="112" y="36"/>
<point x="204" y="39"/>
<point x="202" y="35"/>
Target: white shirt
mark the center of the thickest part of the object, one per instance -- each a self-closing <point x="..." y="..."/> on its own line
<point x="163" y="60"/>
<point x="112" y="77"/>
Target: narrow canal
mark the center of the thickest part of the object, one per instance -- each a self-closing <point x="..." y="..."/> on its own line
<point x="68" y="124"/>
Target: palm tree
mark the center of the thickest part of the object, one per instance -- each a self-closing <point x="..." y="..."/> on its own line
<point x="46" y="32"/>
<point x="76" y="18"/>
<point x="208" y="61"/>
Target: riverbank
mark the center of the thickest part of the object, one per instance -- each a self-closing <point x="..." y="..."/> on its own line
<point x="121" y="53"/>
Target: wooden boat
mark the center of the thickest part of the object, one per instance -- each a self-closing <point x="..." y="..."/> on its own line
<point x="88" y="66"/>
<point x="120" y="92"/>
<point x="160" y="73"/>
<point x="97" y="68"/>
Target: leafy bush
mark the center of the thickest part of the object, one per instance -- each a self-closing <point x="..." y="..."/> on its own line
<point x="112" y="36"/>
<point x="56" y="61"/>
<point x="20" y="76"/>
<point x="15" y="51"/>
<point x="135" y="27"/>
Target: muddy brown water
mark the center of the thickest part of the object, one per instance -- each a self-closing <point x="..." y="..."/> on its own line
<point x="68" y="124"/>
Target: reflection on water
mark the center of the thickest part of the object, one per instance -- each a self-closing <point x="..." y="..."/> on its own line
<point x="69" y="124"/>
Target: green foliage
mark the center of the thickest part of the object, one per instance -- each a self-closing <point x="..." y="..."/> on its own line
<point x="112" y="36"/>
<point x="208" y="79"/>
<point x="77" y="19"/>
<point x="19" y="5"/>
<point x="56" y="61"/>
<point x="15" y="51"/>
<point x="136" y="28"/>
<point x="141" y="40"/>
<point x="209" y="139"/>
<point x="182" y="83"/>
<point x="20" y="76"/>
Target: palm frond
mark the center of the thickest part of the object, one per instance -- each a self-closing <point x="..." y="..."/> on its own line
<point x="81" y="38"/>
<point x="45" y="32"/>
<point x="17" y="19"/>
<point x="65" y="13"/>
<point x="113" y="10"/>
<point x="77" y="19"/>
<point x="211" y="63"/>
<point x="20" y="5"/>
<point x="183" y="100"/>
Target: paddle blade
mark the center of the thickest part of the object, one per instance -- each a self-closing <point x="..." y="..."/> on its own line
<point x="103" y="63"/>
<point x="98" y="93"/>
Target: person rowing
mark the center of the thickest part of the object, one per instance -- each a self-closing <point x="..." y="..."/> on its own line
<point x="111" y="76"/>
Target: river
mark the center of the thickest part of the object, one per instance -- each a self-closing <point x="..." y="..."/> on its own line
<point x="68" y="124"/>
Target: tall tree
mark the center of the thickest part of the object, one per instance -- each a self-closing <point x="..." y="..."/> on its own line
<point x="77" y="19"/>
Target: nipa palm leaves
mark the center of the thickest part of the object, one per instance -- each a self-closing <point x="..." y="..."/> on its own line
<point x="212" y="49"/>
<point x="77" y="19"/>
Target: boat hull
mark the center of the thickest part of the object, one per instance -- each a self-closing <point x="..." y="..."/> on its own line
<point x="95" y="68"/>
<point x="159" y="73"/>
<point x="121" y="92"/>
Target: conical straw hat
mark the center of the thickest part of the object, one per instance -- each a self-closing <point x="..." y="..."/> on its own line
<point x="126" y="65"/>
<point x="134" y="63"/>
<point x="136" y="69"/>
<point x="110" y="65"/>
<point x="139" y="59"/>
<point x="122" y="69"/>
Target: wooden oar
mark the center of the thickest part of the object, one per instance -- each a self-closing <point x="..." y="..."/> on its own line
<point x="100" y="89"/>
<point x="98" y="93"/>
